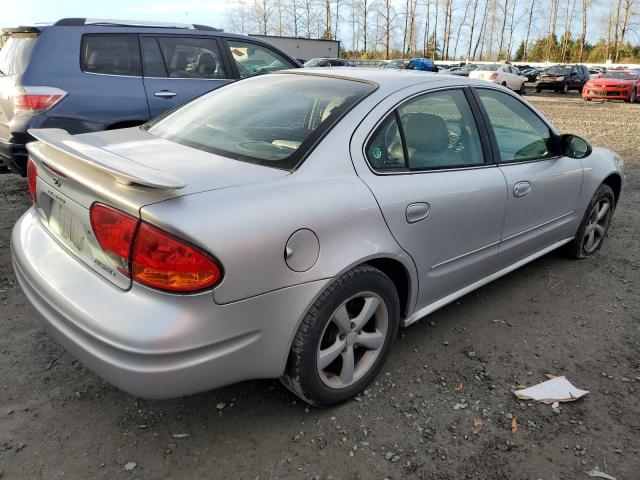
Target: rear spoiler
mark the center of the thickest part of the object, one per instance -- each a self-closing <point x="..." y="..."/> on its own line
<point x="125" y="171"/>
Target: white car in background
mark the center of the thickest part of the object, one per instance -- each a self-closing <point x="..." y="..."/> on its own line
<point x="503" y="74"/>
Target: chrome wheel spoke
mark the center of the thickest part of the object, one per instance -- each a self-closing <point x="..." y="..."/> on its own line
<point x="369" y="308"/>
<point x="341" y="319"/>
<point x="370" y="340"/>
<point x="590" y="240"/>
<point x="602" y="211"/>
<point x="329" y="354"/>
<point x="600" y="229"/>
<point x="348" y="366"/>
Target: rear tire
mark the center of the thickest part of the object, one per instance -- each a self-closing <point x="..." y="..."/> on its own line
<point x="337" y="351"/>
<point x="504" y="84"/>
<point x="594" y="226"/>
<point x="565" y="88"/>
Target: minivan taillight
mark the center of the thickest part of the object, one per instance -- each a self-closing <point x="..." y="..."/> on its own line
<point x="36" y="100"/>
<point x="114" y="231"/>
<point x="32" y="178"/>
<point x="151" y="256"/>
<point x="165" y="262"/>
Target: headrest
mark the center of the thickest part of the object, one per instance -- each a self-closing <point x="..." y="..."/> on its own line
<point x="424" y="131"/>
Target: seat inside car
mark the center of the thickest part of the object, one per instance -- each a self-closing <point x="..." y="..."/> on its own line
<point x="207" y="64"/>
<point x="427" y="140"/>
<point x="179" y="62"/>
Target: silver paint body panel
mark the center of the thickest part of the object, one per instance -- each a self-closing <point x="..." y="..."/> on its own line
<point x="156" y="344"/>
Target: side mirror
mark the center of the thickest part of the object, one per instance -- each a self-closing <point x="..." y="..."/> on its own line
<point x="574" y="147"/>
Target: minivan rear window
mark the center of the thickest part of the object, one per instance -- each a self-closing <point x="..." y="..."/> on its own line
<point x="111" y="54"/>
<point x="270" y="120"/>
<point x="15" y="54"/>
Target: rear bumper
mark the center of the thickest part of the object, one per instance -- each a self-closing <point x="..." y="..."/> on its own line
<point x="149" y="343"/>
<point x="14" y="156"/>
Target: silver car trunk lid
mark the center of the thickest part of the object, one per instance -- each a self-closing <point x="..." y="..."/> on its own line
<point x="124" y="169"/>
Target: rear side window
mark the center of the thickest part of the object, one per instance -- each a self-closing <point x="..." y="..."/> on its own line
<point x="182" y="57"/>
<point x="113" y="54"/>
<point x="253" y="59"/>
<point x="14" y="56"/>
<point x="438" y="130"/>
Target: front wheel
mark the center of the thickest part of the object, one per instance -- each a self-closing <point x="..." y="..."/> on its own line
<point x="565" y="88"/>
<point x="595" y="224"/>
<point x="344" y="339"/>
<point x="633" y="96"/>
<point x="522" y="89"/>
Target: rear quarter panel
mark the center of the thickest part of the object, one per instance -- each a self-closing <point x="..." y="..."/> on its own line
<point x="247" y="227"/>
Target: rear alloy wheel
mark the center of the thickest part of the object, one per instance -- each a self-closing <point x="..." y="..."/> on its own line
<point x="565" y="88"/>
<point x="595" y="224"/>
<point x="344" y="339"/>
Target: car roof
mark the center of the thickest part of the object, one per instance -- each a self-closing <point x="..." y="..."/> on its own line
<point x="386" y="79"/>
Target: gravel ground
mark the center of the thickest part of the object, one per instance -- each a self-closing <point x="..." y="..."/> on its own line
<point x="579" y="319"/>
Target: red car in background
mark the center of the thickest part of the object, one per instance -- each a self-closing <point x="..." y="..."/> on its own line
<point x="613" y="85"/>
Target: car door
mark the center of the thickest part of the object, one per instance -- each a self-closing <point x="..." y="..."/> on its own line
<point x="443" y="198"/>
<point x="178" y="68"/>
<point x="542" y="187"/>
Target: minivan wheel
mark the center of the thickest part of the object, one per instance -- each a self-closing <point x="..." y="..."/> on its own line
<point x="344" y="339"/>
<point x="594" y="226"/>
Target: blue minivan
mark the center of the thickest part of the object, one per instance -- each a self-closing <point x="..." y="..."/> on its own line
<point x="84" y="75"/>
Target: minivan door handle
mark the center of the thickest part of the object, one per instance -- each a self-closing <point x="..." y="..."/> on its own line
<point x="520" y="189"/>
<point x="165" y="94"/>
<point x="417" y="211"/>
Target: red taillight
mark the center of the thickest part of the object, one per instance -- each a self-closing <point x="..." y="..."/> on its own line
<point x="32" y="178"/>
<point x="493" y="76"/>
<point x="114" y="231"/>
<point x="36" y="100"/>
<point x="162" y="261"/>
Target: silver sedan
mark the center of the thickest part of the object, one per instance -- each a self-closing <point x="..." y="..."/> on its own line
<point x="287" y="225"/>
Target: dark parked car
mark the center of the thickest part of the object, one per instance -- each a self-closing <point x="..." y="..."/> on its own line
<point x="532" y="74"/>
<point x="394" y="64"/>
<point x="562" y="78"/>
<point x="85" y="75"/>
<point x="465" y="70"/>
<point x="327" y="62"/>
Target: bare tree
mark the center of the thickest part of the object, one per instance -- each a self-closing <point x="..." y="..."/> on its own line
<point x="583" y="34"/>
<point x="628" y="12"/>
<point x="505" y="14"/>
<point x="387" y="13"/>
<point x="483" y="28"/>
<point x="238" y="18"/>
<point x="473" y="25"/>
<point x="512" y="26"/>
<point x="526" y="38"/>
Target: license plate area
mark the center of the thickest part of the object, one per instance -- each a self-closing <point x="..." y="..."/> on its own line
<point x="70" y="224"/>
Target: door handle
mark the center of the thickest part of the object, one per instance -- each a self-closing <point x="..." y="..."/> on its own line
<point x="520" y="189"/>
<point x="165" y="94"/>
<point x="417" y="211"/>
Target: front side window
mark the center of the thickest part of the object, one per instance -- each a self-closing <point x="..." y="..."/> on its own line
<point x="520" y="133"/>
<point x="435" y="131"/>
<point x="182" y="57"/>
<point x="112" y="54"/>
<point x="253" y="59"/>
<point x="270" y="120"/>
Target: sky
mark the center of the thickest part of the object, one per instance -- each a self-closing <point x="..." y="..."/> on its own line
<point x="206" y="12"/>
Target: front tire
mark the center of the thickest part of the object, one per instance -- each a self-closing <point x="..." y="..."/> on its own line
<point x="522" y="89"/>
<point x="594" y="226"/>
<point x="565" y="88"/>
<point x="633" y="96"/>
<point x="344" y="339"/>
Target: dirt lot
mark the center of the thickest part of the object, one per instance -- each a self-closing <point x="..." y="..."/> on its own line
<point x="579" y="319"/>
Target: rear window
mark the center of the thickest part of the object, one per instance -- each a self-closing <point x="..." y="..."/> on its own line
<point x="270" y="120"/>
<point x="113" y="54"/>
<point x="487" y="68"/>
<point x="15" y="54"/>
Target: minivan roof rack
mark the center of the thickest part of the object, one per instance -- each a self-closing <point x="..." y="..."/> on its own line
<point x="80" y="22"/>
